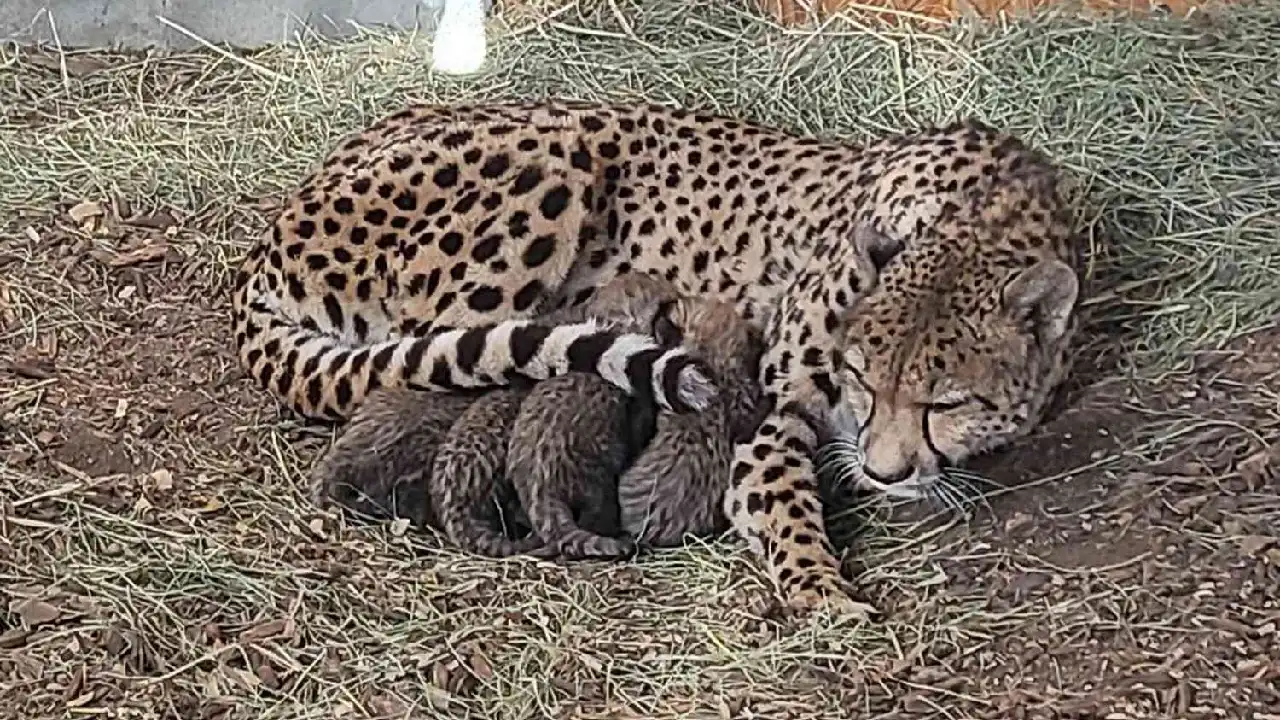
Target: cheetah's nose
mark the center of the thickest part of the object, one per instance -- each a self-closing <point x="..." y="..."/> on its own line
<point x="890" y="478"/>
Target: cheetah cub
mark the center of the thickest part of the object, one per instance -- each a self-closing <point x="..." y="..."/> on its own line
<point x="676" y="487"/>
<point x="546" y="460"/>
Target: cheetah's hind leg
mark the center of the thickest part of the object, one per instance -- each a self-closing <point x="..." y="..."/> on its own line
<point x="459" y="46"/>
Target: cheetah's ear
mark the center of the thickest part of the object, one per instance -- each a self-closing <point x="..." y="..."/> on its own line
<point x="1043" y="294"/>
<point x="877" y="246"/>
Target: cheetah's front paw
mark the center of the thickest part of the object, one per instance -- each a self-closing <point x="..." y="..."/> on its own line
<point x="830" y="594"/>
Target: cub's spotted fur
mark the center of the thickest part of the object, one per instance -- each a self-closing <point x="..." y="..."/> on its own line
<point x="476" y="218"/>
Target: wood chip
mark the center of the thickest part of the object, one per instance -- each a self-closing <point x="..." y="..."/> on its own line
<point x="152" y="252"/>
<point x="83" y="211"/>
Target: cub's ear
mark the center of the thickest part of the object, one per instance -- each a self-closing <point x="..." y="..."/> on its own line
<point x="1044" y="295"/>
<point x="665" y="330"/>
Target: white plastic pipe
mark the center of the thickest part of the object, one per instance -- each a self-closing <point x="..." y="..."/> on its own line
<point x="459" y="46"/>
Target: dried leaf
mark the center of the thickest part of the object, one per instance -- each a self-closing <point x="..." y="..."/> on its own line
<point x="73" y="690"/>
<point x="388" y="706"/>
<point x="14" y="638"/>
<point x="268" y="676"/>
<point x="82" y="700"/>
<point x="163" y="480"/>
<point x="480" y="666"/>
<point x="399" y="526"/>
<point x="34" y="612"/>
<point x="113" y="642"/>
<point x="439" y="699"/>
<point x="1017" y="522"/>
<point x="440" y="674"/>
<point x="1261" y="467"/>
<point x="160" y="220"/>
<point x="247" y="679"/>
<point x="145" y="254"/>
<point x="267" y="630"/>
<point x="1254" y="544"/>
<point x="1187" y="506"/>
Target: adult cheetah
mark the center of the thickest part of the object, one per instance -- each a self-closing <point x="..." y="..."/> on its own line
<point x="917" y="294"/>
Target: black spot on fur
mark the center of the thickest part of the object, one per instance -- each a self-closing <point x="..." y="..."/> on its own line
<point x="527" y="180"/>
<point x="333" y="309"/>
<point x="554" y="202"/>
<point x="526" y="296"/>
<point x="485" y="299"/>
<point x="495" y="166"/>
<point x="486" y="248"/>
<point x="539" y="251"/>
<point x="451" y="243"/>
<point x="446" y="177"/>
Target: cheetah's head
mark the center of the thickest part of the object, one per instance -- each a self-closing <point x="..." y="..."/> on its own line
<point x="950" y="355"/>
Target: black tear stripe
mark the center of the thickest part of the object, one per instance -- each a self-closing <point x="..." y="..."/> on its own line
<point x="640" y="371"/>
<point x="526" y="341"/>
<point x="585" y="352"/>
<point x="469" y="349"/>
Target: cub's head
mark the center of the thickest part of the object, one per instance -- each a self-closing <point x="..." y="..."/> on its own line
<point x="645" y="303"/>
<point x="730" y="345"/>
<point x="953" y="353"/>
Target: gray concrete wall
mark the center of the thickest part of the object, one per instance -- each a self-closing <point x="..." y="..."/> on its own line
<point x="239" y="23"/>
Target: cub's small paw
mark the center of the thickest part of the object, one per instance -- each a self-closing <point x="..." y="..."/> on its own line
<point x="544" y="551"/>
<point x="582" y="545"/>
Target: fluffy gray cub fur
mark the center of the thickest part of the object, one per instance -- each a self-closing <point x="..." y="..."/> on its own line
<point x="442" y="460"/>
<point x="676" y="487"/>
<point x="399" y="448"/>
<point x="484" y="468"/>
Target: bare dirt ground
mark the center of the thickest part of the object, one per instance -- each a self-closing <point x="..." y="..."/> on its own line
<point x="158" y="559"/>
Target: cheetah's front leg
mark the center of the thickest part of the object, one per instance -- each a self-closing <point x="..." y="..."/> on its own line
<point x="773" y="497"/>
<point x="773" y="502"/>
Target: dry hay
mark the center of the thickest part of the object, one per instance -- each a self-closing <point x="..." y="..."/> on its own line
<point x="159" y="559"/>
